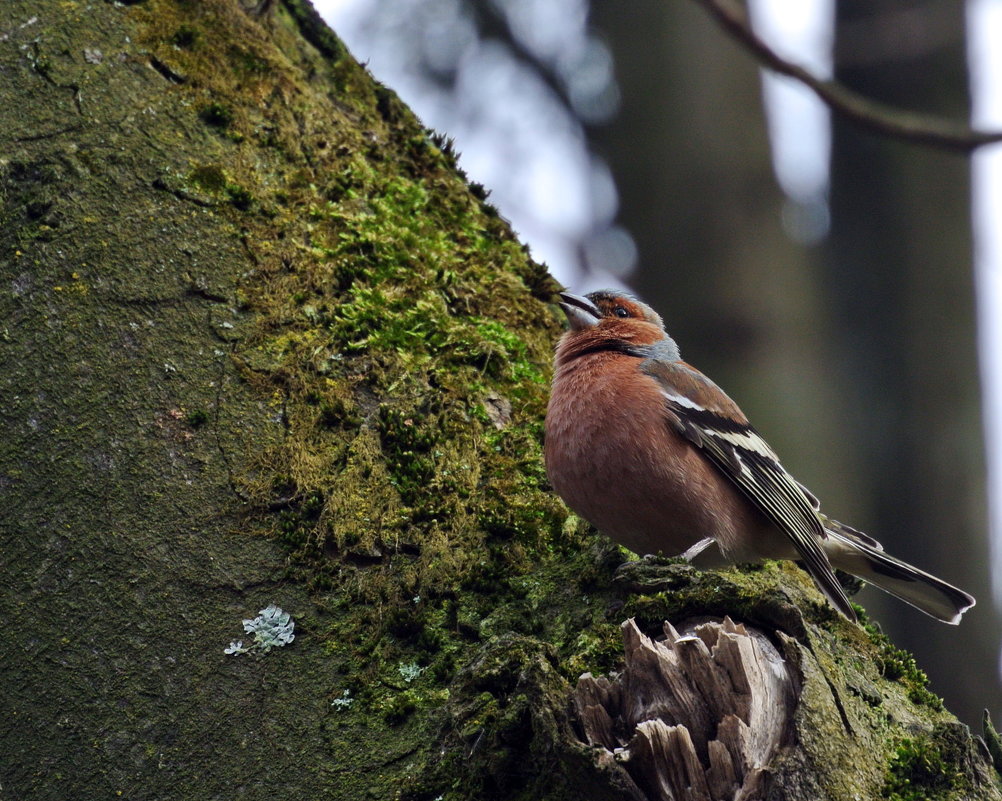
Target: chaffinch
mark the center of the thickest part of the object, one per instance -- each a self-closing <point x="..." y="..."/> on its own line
<point x="660" y="459"/>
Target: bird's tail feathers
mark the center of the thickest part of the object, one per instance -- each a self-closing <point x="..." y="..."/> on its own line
<point x="856" y="553"/>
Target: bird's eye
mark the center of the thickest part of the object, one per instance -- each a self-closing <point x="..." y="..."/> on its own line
<point x="619" y="311"/>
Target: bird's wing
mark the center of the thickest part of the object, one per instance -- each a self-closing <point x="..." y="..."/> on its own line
<point x="701" y="412"/>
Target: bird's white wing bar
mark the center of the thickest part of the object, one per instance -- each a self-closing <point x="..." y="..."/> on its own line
<point x="741" y="454"/>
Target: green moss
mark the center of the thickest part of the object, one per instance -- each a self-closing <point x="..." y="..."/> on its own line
<point x="208" y="177"/>
<point x="196" y="418"/>
<point x="597" y="649"/>
<point x="215" y="180"/>
<point x="240" y="197"/>
<point x="313" y="28"/>
<point x="900" y="666"/>
<point x="499" y="352"/>
<point x="247" y="60"/>
<point x="185" y="37"/>
<point x="672" y="590"/>
<point x="217" y="115"/>
<point x="409" y="450"/>
<point x="993" y="741"/>
<point x="397" y="708"/>
<point x="927" y="768"/>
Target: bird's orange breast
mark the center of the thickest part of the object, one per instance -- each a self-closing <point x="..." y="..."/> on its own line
<point x="613" y="457"/>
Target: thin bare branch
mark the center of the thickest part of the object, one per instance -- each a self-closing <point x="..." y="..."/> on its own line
<point x="899" y="123"/>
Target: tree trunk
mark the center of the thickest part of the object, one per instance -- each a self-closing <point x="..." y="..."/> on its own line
<point x="263" y="345"/>
<point x="899" y="275"/>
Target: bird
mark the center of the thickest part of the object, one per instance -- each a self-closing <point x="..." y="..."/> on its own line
<point x="657" y="457"/>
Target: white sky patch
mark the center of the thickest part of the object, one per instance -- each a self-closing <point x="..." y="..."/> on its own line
<point x="799" y="123"/>
<point x="984" y="32"/>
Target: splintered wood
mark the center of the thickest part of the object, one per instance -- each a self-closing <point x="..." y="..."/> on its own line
<point x="696" y="716"/>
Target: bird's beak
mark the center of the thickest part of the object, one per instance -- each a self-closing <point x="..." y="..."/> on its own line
<point x="581" y="312"/>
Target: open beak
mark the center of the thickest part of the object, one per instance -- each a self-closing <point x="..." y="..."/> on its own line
<point x="581" y="312"/>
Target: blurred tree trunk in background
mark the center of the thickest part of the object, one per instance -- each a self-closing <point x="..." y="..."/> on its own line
<point x="691" y="158"/>
<point x="810" y="340"/>
<point x="898" y="273"/>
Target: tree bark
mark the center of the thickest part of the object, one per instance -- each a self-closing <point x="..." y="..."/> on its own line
<point x="263" y="345"/>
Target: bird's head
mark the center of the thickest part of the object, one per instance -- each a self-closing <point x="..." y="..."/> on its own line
<point x="610" y="320"/>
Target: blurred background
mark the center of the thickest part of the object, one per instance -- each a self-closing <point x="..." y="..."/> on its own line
<point x="833" y="281"/>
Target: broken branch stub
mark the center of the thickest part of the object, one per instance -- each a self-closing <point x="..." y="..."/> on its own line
<point x="697" y="715"/>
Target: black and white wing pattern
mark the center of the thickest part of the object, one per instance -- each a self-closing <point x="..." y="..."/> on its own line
<point x="714" y="424"/>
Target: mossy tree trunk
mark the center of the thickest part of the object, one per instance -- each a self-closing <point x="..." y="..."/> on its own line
<point x="263" y="344"/>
